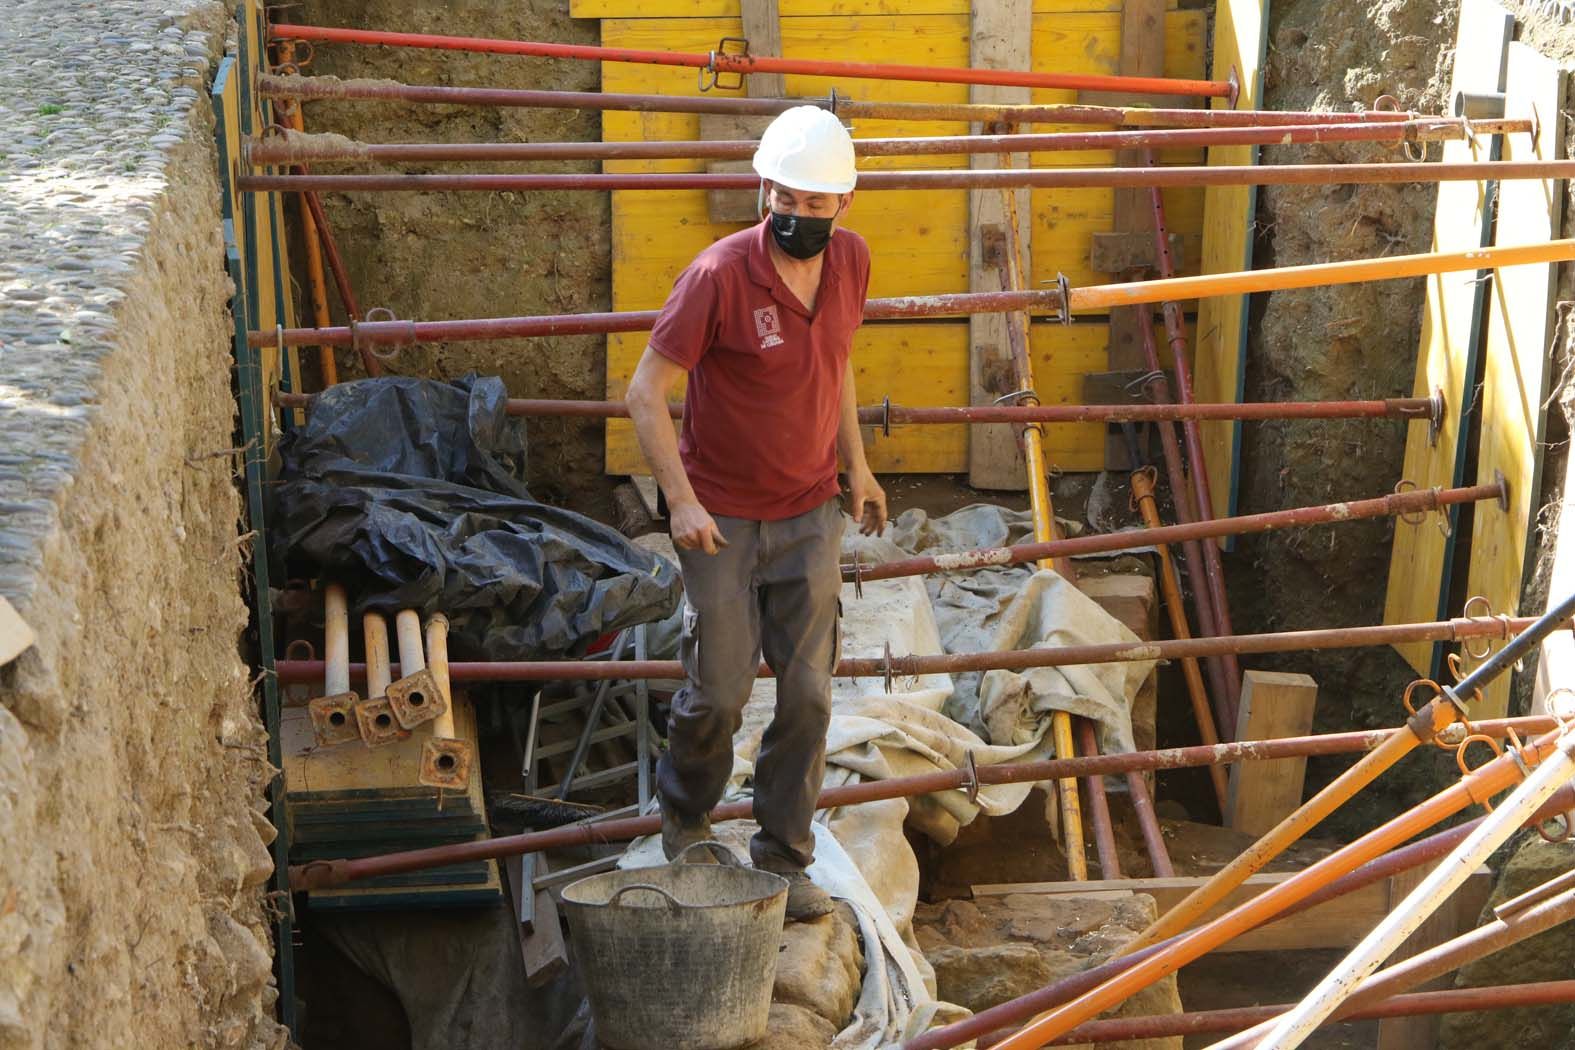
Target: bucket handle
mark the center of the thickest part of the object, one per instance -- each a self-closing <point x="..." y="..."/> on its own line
<point x="673" y="903"/>
<point x="723" y="855"/>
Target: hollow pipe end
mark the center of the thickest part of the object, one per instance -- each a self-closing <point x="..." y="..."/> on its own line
<point x="1479" y="105"/>
<point x="319" y="874"/>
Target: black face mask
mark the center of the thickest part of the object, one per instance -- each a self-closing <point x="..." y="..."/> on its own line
<point x="801" y="236"/>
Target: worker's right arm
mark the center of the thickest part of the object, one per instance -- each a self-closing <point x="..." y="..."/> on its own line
<point x="653" y="382"/>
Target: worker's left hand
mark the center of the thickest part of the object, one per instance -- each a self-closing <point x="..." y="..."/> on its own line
<point x="867" y="501"/>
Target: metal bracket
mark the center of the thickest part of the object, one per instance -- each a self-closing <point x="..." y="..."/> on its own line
<point x="970" y="784"/>
<point x="1063" y="288"/>
<point x="333" y="719"/>
<point x="716" y="75"/>
<point x="1234" y="80"/>
<point x="1435" y="416"/>
<point x="858" y="576"/>
<point x="383" y="315"/>
<point x="1503" y="489"/>
<point x="885" y="416"/>
<point x="445" y="763"/>
<point x="416" y="698"/>
<point x="886" y="667"/>
<point x="378" y="724"/>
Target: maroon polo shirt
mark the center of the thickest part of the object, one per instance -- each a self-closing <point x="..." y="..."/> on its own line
<point x="759" y="436"/>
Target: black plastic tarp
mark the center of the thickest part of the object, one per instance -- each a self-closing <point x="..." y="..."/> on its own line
<point x="411" y="492"/>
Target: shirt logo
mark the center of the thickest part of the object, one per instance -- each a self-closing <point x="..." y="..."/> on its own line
<point x="768" y="326"/>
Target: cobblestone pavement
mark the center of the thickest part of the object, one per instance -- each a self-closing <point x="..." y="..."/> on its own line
<point x="92" y="96"/>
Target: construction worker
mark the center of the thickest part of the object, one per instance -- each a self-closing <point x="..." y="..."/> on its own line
<point x="762" y="323"/>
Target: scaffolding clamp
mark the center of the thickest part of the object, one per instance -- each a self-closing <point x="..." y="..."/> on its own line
<point x="970" y="784"/>
<point x="716" y="72"/>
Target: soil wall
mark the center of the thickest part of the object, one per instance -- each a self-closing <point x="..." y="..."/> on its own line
<point x="132" y="762"/>
<point x="450" y="255"/>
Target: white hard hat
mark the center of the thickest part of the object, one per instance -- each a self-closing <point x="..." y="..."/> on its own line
<point x="806" y="148"/>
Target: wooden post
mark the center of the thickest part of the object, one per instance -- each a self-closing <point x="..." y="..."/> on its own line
<point x="1273" y="704"/>
<point x="763" y="30"/>
<point x="1001" y="39"/>
<point x="1142" y="54"/>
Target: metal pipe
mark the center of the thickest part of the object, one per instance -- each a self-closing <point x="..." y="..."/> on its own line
<point x="989" y="1026"/>
<point x="437" y="662"/>
<point x="1417" y="1004"/>
<point x="1312" y="275"/>
<point x="1546" y="906"/>
<point x="1476" y="786"/>
<point x="1396" y="503"/>
<point x="374" y="630"/>
<point x="1423" y="408"/>
<point x="1553" y="773"/>
<point x="1098" y="806"/>
<point x="1456" y="630"/>
<point x="336" y="266"/>
<point x="722" y="61"/>
<point x="958" y="179"/>
<point x="407" y="626"/>
<point x="1148" y="823"/>
<point x="1424" y="725"/>
<point x="327" y="873"/>
<point x="314" y="254"/>
<point x="1213" y="570"/>
<point x="334" y="149"/>
<point x="1158" y="390"/>
<point x="336" y="641"/>
<point x="1143" y="496"/>
<point x="330" y="87"/>
<point x="1043" y="512"/>
<point x="1049" y="301"/>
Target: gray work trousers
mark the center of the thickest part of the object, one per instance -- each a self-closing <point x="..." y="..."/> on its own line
<point x="772" y="591"/>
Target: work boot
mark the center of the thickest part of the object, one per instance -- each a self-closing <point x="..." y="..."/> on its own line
<point x="679" y="830"/>
<point x="805" y="900"/>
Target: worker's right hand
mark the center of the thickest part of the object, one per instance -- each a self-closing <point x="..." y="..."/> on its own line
<point x="694" y="529"/>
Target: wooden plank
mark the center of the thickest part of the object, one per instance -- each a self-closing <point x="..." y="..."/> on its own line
<point x="1274" y="704"/>
<point x="763" y="29"/>
<point x="1001" y="38"/>
<point x="1119" y="252"/>
<point x="542" y="945"/>
<point x="353" y="765"/>
<point x="1339" y="923"/>
<point x="1517" y="354"/>
<point x="1556" y="666"/>
<point x="1240" y="44"/>
<point x="817" y="8"/>
<point x="1457" y="915"/>
<point x="1421" y="555"/>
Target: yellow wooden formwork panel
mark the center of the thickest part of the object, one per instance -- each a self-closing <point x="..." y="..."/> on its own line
<point x="1420" y="561"/>
<point x="920" y="365"/>
<point x="1517" y="353"/>
<point x="1240" y="38"/>
<point x="942" y="40"/>
<point x="802" y="8"/>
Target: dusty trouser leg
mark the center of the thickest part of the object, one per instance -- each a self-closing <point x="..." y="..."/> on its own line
<point x="800" y="583"/>
<point x="720" y="650"/>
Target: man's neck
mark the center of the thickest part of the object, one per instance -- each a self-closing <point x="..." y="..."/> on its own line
<point x="791" y="269"/>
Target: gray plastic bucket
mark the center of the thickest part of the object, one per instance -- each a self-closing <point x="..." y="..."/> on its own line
<point x="681" y="956"/>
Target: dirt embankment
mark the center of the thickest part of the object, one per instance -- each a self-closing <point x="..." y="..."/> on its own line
<point x="1345" y="342"/>
<point x="452" y="255"/>
<point x="132" y="761"/>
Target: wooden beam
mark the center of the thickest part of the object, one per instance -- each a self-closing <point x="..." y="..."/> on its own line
<point x="1339" y="923"/>
<point x="1001" y="36"/>
<point x="1273" y="705"/>
<point x="542" y="945"/>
